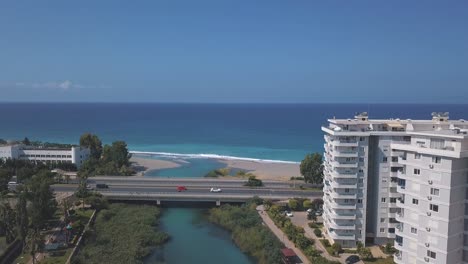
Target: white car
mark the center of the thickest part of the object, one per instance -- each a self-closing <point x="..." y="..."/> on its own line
<point x="289" y="214"/>
<point x="215" y="190"/>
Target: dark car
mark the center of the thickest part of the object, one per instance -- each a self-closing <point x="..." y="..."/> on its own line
<point x="352" y="259"/>
<point x="102" y="186"/>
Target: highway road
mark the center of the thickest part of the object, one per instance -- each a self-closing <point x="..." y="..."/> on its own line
<point x="194" y="190"/>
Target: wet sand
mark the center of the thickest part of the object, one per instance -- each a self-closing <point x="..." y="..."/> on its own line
<point x="142" y="165"/>
<point x="265" y="171"/>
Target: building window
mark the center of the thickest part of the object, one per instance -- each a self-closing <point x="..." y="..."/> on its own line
<point x="361" y="139"/>
<point x="431" y="254"/>
<point x="384" y="159"/>
<point x="415" y="201"/>
<point x="414" y="230"/>
<point x="436" y="159"/>
<point x="417" y="171"/>
<point x="417" y="156"/>
<point x="382" y="230"/>
<point x="391" y="230"/>
<point x="382" y="200"/>
<point x="394" y="159"/>
<point x="346" y="200"/>
<point x="346" y="190"/>
<point x="360" y="180"/>
<point x="361" y="159"/>
<point x="359" y="201"/>
<point x="435" y="191"/>
<point x="434" y="207"/>
<point x="361" y="170"/>
<point x="392" y="200"/>
<point x="382" y="220"/>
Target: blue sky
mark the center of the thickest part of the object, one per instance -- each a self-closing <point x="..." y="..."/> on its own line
<point x="234" y="51"/>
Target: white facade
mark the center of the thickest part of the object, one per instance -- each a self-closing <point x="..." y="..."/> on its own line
<point x="75" y="155"/>
<point x="411" y="176"/>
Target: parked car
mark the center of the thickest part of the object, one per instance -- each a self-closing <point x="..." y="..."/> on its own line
<point x="215" y="190"/>
<point x="319" y="212"/>
<point x="309" y="210"/>
<point x="181" y="188"/>
<point x="352" y="259"/>
<point x="89" y="187"/>
<point x="102" y="186"/>
<point x="289" y="214"/>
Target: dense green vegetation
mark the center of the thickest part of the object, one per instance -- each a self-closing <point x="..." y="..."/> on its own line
<point x="296" y="235"/>
<point x="218" y="173"/>
<point x="23" y="216"/>
<point x="111" y="159"/>
<point x="122" y="233"/>
<point x="248" y="232"/>
<point x="253" y="182"/>
<point x="312" y="168"/>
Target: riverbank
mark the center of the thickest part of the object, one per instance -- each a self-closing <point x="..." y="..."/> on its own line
<point x="123" y="233"/>
<point x="142" y="165"/>
<point x="263" y="170"/>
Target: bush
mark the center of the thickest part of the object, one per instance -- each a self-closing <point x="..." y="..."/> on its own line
<point x="318" y="232"/>
<point x="337" y="249"/>
<point x="313" y="225"/>
<point x="293" y="204"/>
<point x="365" y="254"/>
<point x="307" y="204"/>
<point x="254" y="182"/>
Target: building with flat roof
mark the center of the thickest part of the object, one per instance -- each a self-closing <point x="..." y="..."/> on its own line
<point x="398" y="180"/>
<point x="74" y="154"/>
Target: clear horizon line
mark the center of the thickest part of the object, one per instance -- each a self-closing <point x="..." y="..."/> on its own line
<point x="226" y="103"/>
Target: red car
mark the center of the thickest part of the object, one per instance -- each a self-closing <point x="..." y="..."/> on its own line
<point x="181" y="188"/>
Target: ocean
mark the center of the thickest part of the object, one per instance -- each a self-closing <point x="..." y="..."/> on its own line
<point x="283" y="132"/>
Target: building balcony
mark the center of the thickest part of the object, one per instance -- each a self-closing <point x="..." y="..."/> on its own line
<point x="335" y="184"/>
<point x="400" y="217"/>
<point x="333" y="215"/>
<point x="336" y="205"/>
<point x="401" y="188"/>
<point x="337" y="195"/>
<point x="402" y="175"/>
<point x="336" y="236"/>
<point x="344" y="164"/>
<point x="345" y="154"/>
<point x="398" y="245"/>
<point x="398" y="257"/>
<point x="343" y="175"/>
<point x="344" y="143"/>
<point x="334" y="225"/>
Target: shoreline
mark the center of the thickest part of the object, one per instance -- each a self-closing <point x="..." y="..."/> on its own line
<point x="143" y="165"/>
<point x="263" y="170"/>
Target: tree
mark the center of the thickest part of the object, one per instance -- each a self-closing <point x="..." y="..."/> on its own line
<point x="94" y="144"/>
<point x="316" y="203"/>
<point x="365" y="254"/>
<point x="7" y="221"/>
<point x="307" y="204"/>
<point x="22" y="219"/>
<point x="5" y="177"/>
<point x="26" y="141"/>
<point x="293" y="204"/>
<point x="117" y="153"/>
<point x="337" y="249"/>
<point x="312" y="169"/>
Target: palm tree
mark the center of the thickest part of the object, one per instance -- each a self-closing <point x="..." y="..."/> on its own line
<point x="7" y="221"/>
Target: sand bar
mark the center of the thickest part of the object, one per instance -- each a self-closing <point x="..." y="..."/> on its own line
<point x="142" y="165"/>
<point x="265" y="171"/>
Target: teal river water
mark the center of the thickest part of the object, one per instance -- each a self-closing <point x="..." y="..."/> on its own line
<point x="193" y="238"/>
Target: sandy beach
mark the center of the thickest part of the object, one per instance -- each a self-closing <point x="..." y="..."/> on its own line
<point x="265" y="171"/>
<point x="142" y="165"/>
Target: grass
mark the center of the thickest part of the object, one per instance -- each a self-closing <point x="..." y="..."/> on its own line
<point x="388" y="260"/>
<point x="327" y="246"/>
<point x="58" y="259"/>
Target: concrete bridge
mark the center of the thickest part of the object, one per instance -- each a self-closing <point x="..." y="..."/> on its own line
<point x="198" y="190"/>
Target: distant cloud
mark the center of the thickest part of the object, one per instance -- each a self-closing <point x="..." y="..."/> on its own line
<point x="65" y="85"/>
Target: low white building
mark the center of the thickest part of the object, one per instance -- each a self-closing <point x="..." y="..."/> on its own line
<point x="75" y="154"/>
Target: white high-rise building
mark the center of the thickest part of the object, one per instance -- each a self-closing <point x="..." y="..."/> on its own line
<point x="398" y="180"/>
